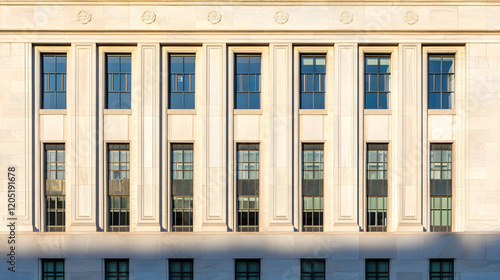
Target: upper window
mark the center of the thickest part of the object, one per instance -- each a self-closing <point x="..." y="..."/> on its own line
<point x="312" y="269"/>
<point x="377" y="81"/>
<point x="119" y="81"/>
<point x="441" y="81"/>
<point x="54" y="81"/>
<point x="247" y="82"/>
<point x="312" y="81"/>
<point x="247" y="269"/>
<point x="182" y="82"/>
<point x="377" y="270"/>
<point x="180" y="269"/>
<point x="441" y="269"/>
<point x="53" y="269"/>
<point x="55" y="187"/>
<point x="116" y="269"/>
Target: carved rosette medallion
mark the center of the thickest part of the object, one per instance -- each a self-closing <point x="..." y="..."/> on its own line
<point x="281" y="17"/>
<point x="84" y="17"/>
<point x="214" y="17"/>
<point x="411" y="17"/>
<point x="148" y="17"/>
<point x="346" y="17"/>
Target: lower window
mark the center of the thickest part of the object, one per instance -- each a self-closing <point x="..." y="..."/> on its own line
<point x="377" y="213"/>
<point x="312" y="269"/>
<point x="116" y="269"/>
<point x="377" y="270"/>
<point x="441" y="270"/>
<point x="312" y="216"/>
<point x="180" y="269"/>
<point x="247" y="269"/>
<point x="53" y="269"/>
<point x="182" y="213"/>
<point x="440" y="213"/>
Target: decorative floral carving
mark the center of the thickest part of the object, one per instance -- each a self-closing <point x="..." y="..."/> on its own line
<point x="346" y="17"/>
<point x="148" y="17"/>
<point x="281" y="17"/>
<point x="84" y="17"/>
<point x="411" y="17"/>
<point x="214" y="17"/>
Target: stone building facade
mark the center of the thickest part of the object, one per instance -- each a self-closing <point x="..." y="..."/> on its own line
<point x="136" y="135"/>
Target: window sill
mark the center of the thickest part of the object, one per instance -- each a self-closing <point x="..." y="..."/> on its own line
<point x="441" y="112"/>
<point x="117" y="112"/>
<point x="181" y="112"/>
<point x="377" y="111"/>
<point x="52" y="112"/>
<point x="247" y="111"/>
<point x="313" y="112"/>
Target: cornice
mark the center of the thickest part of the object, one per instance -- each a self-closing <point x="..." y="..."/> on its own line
<point x="247" y="2"/>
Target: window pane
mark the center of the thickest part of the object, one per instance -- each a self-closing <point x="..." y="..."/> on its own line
<point x="371" y="64"/>
<point x="385" y="64"/>
<point x="242" y="64"/>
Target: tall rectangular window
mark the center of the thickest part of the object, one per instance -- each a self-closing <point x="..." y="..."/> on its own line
<point x="119" y="187"/>
<point x="441" y="81"/>
<point x="55" y="187"/>
<point x="376" y="187"/>
<point x="247" y="82"/>
<point x="182" y="187"/>
<point x="312" y="269"/>
<point x="441" y="269"/>
<point x="118" y="81"/>
<point x="182" y="82"/>
<point x="116" y="269"/>
<point x="53" y="269"/>
<point x="377" y="270"/>
<point x="247" y="269"/>
<point x="180" y="269"/>
<point x="440" y="187"/>
<point x="54" y="81"/>
<point x="312" y="187"/>
<point x="312" y="81"/>
<point x="377" y="81"/>
<point x="248" y="187"/>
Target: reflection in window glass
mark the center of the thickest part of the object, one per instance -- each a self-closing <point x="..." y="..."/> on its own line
<point x="441" y="193"/>
<point x="247" y="82"/>
<point x="312" y="187"/>
<point x="377" y="81"/>
<point x="54" y="184"/>
<point x="312" y="81"/>
<point x="182" y="82"/>
<point x="118" y="187"/>
<point x="376" y="183"/>
<point x="182" y="187"/>
<point x="248" y="187"/>
<point x="441" y="81"/>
